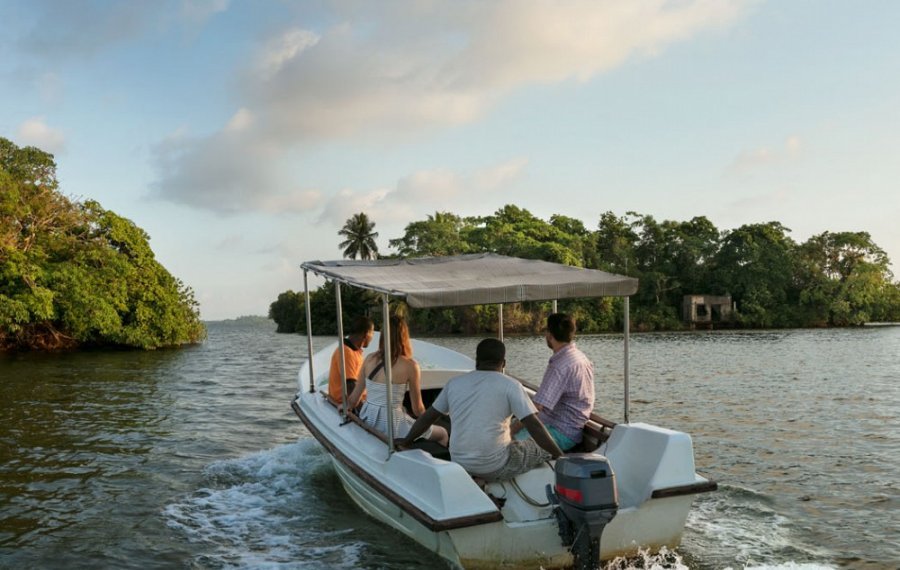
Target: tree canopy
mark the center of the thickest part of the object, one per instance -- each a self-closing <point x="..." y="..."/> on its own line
<point x="74" y="274"/>
<point x="360" y="237"/>
<point x="832" y="279"/>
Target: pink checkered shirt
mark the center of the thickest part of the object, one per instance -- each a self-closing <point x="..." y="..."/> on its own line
<point x="567" y="392"/>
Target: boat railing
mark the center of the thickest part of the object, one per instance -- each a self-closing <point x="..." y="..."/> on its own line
<point x="351" y="416"/>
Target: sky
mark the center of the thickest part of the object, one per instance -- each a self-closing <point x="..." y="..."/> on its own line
<point x="242" y="134"/>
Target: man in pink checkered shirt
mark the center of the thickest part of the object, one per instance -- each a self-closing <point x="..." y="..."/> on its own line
<point x="565" y="398"/>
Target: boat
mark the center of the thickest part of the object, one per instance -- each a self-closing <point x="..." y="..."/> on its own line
<point x="426" y="496"/>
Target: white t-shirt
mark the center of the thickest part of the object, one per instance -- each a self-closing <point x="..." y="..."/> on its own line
<point x="480" y="405"/>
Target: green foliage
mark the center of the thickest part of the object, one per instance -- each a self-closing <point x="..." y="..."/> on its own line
<point x="289" y="310"/>
<point x="844" y="279"/>
<point x="74" y="274"/>
<point x="834" y="279"/>
<point x="360" y="237"/>
<point x="440" y="234"/>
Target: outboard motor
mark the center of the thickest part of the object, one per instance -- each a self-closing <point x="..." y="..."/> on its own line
<point x="586" y="501"/>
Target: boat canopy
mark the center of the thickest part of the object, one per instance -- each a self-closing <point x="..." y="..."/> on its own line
<point x="474" y="279"/>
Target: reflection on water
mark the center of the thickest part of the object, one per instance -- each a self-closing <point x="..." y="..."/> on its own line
<point x="193" y="457"/>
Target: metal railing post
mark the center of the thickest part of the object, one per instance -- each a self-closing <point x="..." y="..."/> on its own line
<point x="309" y="346"/>
<point x="627" y="318"/>
<point x="500" y="315"/>
<point x="342" y="360"/>
<point x="386" y="335"/>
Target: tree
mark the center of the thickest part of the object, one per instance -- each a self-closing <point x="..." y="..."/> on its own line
<point x="360" y="239"/>
<point x="615" y="241"/>
<point x="289" y="312"/>
<point x="844" y="278"/>
<point x="73" y="274"/>
<point x="440" y="234"/>
<point x="755" y="264"/>
<point x="516" y="231"/>
<point x="834" y="279"/>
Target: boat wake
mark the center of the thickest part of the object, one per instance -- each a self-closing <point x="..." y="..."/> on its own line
<point x="669" y="560"/>
<point x="284" y="508"/>
<point x="740" y="528"/>
<point x="266" y="510"/>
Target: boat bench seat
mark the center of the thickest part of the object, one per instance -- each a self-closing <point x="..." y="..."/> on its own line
<point x="437" y="378"/>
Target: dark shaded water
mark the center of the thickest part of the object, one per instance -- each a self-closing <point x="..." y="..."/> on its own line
<point x="193" y="459"/>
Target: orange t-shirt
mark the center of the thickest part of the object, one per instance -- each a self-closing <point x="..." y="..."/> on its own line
<point x="353" y="359"/>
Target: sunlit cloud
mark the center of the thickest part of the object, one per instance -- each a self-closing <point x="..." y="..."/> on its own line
<point x="36" y="132"/>
<point x="240" y="121"/>
<point x="752" y="160"/>
<point x="295" y="202"/>
<point x="388" y="71"/>
<point x="283" y="48"/>
<point x="423" y="192"/>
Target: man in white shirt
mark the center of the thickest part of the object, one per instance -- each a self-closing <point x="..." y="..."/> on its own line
<point x="481" y="405"/>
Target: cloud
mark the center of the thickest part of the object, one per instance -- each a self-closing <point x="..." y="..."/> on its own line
<point x="36" y="132"/>
<point x="78" y="28"/>
<point x="283" y="48"/>
<point x="395" y="69"/>
<point x="422" y="193"/>
<point x="66" y="29"/>
<point x="240" y="121"/>
<point x="408" y="67"/>
<point x="227" y="173"/>
<point x="749" y="161"/>
<point x="198" y="11"/>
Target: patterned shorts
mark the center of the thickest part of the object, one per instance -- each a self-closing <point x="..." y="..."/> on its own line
<point x="523" y="456"/>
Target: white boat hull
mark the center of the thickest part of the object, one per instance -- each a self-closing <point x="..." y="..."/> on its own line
<point x="437" y="504"/>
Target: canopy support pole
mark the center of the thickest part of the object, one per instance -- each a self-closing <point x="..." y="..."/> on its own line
<point x="500" y="316"/>
<point x="309" y="346"/>
<point x="386" y="335"/>
<point x="627" y="319"/>
<point x="342" y="360"/>
<point x="555" y="310"/>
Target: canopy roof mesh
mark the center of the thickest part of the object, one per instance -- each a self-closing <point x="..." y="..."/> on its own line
<point x="475" y="279"/>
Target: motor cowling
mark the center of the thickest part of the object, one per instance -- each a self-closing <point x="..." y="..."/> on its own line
<point x="586" y="500"/>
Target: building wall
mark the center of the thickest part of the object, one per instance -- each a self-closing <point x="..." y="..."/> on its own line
<point x="707" y="308"/>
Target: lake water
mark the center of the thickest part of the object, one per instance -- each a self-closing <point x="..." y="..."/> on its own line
<point x="193" y="459"/>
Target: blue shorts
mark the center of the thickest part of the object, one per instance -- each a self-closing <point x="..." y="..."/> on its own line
<point x="559" y="437"/>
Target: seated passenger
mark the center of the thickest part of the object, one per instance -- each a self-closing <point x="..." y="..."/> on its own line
<point x="405" y="375"/>
<point x="481" y="405"/>
<point x="361" y="331"/>
<point x="565" y="397"/>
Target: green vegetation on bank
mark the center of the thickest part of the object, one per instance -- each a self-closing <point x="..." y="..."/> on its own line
<point x="832" y="279"/>
<point x="73" y="274"/>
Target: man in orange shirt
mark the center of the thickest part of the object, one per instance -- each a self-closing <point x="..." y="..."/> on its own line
<point x="361" y="331"/>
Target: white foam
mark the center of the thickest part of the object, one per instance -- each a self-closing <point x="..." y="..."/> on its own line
<point x="790" y="566"/>
<point x="662" y="560"/>
<point x="252" y="513"/>
<point x="741" y="522"/>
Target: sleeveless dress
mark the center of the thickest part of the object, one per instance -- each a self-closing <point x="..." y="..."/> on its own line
<point x="374" y="410"/>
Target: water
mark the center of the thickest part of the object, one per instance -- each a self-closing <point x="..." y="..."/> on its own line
<point x="193" y="458"/>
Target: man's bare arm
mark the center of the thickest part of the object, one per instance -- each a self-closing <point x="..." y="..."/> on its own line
<point x="541" y="436"/>
<point x="423" y="423"/>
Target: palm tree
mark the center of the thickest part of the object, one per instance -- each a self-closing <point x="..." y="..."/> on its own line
<point x="360" y="237"/>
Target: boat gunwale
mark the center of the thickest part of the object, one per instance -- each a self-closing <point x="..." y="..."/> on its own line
<point x="429" y="522"/>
